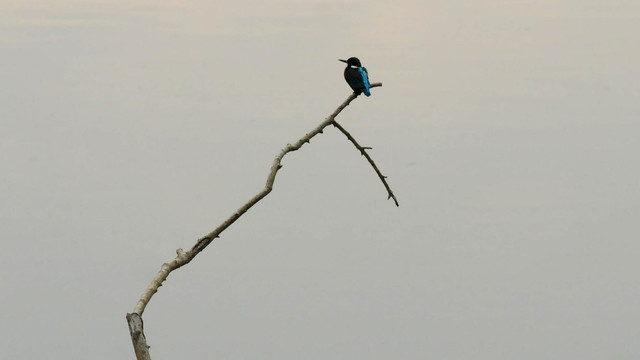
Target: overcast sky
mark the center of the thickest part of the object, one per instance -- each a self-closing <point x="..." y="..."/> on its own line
<point x="508" y="131"/>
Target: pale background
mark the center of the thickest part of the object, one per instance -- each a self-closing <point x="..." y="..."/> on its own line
<point x="508" y="129"/>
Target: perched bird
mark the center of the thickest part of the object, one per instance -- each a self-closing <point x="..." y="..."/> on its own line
<point x="356" y="76"/>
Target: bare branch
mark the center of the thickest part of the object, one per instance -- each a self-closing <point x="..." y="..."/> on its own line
<point x="363" y="151"/>
<point x="184" y="257"/>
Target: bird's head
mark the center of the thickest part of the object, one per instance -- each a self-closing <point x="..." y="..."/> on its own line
<point x="352" y="61"/>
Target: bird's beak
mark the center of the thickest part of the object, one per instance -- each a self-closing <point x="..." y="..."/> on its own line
<point x="344" y="61"/>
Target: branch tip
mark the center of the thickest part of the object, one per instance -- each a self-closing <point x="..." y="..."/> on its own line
<point x="363" y="152"/>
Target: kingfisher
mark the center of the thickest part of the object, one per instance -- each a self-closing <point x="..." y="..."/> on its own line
<point x="357" y="76"/>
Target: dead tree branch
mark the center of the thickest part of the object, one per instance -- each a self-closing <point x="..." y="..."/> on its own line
<point x="363" y="151"/>
<point x="184" y="257"/>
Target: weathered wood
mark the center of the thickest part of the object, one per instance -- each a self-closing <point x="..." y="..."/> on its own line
<point x="137" y="336"/>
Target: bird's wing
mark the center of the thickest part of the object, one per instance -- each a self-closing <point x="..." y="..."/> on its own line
<point x="365" y="80"/>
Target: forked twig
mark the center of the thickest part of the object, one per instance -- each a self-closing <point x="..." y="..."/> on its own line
<point x="184" y="257"/>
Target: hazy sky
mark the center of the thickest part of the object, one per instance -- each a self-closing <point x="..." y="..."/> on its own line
<point x="508" y="131"/>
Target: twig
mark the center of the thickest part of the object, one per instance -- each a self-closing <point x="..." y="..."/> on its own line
<point x="363" y="151"/>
